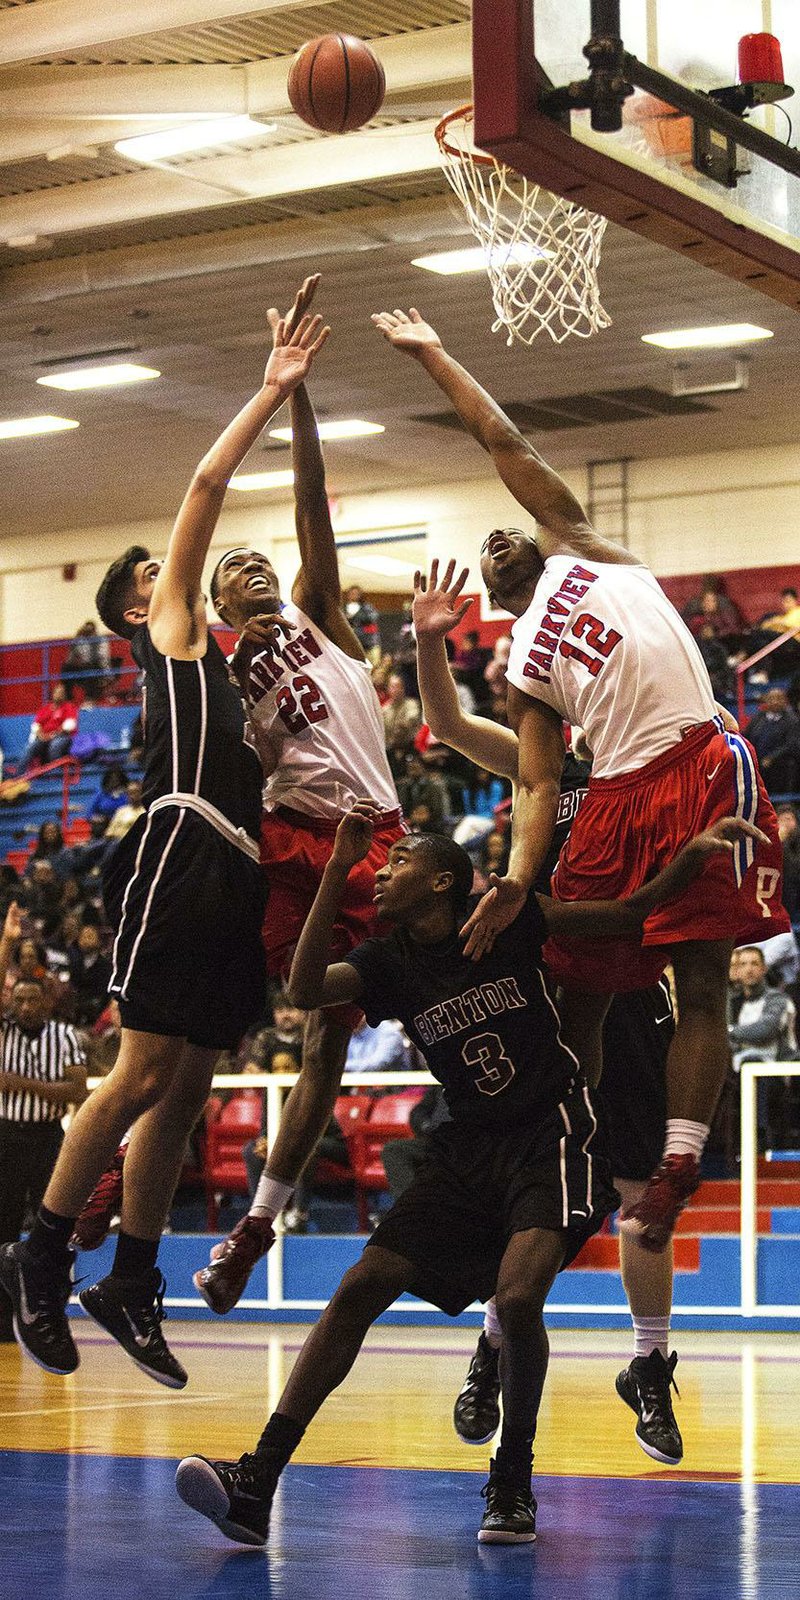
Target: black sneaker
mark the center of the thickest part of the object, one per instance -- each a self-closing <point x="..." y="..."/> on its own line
<point x="39" y="1290"/>
<point x="476" y="1413"/>
<point x="132" y="1310"/>
<point x="510" y="1515"/>
<point x="236" y="1495"/>
<point x="645" y="1386"/>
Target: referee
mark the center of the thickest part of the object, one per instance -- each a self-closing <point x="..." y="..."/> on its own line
<point x="42" y="1071"/>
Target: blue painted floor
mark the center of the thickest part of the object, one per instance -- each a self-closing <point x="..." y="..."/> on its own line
<point x="112" y="1528"/>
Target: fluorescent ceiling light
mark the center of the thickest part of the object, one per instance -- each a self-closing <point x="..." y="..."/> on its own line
<point x="26" y="427"/>
<point x="347" y="429"/>
<point x="708" y="338"/>
<point x="188" y="136"/>
<point x="387" y="566"/>
<point x="248" y="481"/>
<point x="449" y="262"/>
<point x="106" y="377"/>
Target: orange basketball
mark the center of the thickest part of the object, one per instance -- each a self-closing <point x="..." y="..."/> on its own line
<point x="336" y="83"/>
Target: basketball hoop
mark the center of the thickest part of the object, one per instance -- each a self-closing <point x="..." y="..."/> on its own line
<point x="542" y="254"/>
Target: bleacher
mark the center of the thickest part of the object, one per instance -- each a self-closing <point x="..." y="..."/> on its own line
<point x="20" y="821"/>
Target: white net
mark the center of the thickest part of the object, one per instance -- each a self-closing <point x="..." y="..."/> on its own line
<point x="542" y="254"/>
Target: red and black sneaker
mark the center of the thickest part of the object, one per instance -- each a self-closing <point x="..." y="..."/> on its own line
<point x="652" y="1219"/>
<point x="94" y="1223"/>
<point x="224" y="1280"/>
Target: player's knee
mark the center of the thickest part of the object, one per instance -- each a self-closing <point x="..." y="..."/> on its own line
<point x="363" y="1292"/>
<point x="701" y="993"/>
<point x="518" y="1307"/>
<point x="142" y="1089"/>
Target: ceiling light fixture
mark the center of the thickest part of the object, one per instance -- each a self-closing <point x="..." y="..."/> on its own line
<point x="249" y="481"/>
<point x="714" y="338"/>
<point x="106" y="377"/>
<point x="351" y="428"/>
<point x="27" y="427"/>
<point x="189" y="136"/>
<point x="450" y="262"/>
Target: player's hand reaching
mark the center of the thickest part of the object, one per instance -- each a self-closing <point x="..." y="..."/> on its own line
<point x="437" y="607"/>
<point x="354" y="834"/>
<point x="260" y="633"/>
<point x="407" y="331"/>
<point x="496" y="911"/>
<point x="296" y="340"/>
<point x="724" y="835"/>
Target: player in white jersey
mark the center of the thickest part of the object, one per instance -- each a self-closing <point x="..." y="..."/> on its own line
<point x="316" y="720"/>
<point x="598" y="645"/>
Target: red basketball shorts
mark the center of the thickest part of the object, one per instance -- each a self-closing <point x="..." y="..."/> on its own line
<point x="295" y="850"/>
<point x="628" y="828"/>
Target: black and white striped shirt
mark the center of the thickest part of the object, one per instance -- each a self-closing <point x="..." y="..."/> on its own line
<point x="43" y="1057"/>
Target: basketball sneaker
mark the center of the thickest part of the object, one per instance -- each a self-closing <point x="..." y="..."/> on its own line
<point x="94" y="1223"/>
<point x="132" y="1311"/>
<point x="510" y="1515"/>
<point x="645" y="1387"/>
<point x="652" y="1219"/>
<point x="39" y="1289"/>
<point x="476" y="1413"/>
<point x="236" y="1495"/>
<point x="223" y="1282"/>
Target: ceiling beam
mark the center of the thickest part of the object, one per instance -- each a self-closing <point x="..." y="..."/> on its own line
<point x="59" y="27"/>
<point x="271" y="172"/>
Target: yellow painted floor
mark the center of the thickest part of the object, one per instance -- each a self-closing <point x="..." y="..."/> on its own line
<point x="739" y="1406"/>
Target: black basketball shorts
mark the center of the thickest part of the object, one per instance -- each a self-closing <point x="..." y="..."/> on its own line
<point x="480" y="1186"/>
<point x="187" y="907"/>
<point x="631" y="1098"/>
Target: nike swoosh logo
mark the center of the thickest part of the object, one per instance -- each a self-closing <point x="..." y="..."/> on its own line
<point x="710" y="775"/>
<point x="142" y="1339"/>
<point x="28" y="1317"/>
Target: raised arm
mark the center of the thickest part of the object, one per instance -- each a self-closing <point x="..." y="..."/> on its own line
<point x="535" y="486"/>
<point x="623" y="919"/>
<point x="12" y="932"/>
<point x="437" y="609"/>
<point x="317" y="588"/>
<point x="177" y="615"/>
<point x="312" y="982"/>
<point x="541" y="758"/>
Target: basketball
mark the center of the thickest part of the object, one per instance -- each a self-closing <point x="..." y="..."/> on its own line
<point x="336" y="83"/>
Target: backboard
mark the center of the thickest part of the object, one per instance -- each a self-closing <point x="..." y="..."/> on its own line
<point x="653" y="175"/>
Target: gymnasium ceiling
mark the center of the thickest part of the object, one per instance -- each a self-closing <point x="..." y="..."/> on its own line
<point x="177" y="266"/>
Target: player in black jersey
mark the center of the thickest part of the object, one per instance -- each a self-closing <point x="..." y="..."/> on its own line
<point x="514" y="1184"/>
<point x="631" y="1097"/>
<point x="184" y="892"/>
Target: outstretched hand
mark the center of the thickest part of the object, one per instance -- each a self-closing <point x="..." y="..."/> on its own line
<point x="259" y="633"/>
<point x="436" y="608"/>
<point x="496" y="911"/>
<point x="354" y="834"/>
<point x="296" y="339"/>
<point x="408" y="332"/>
<point x="724" y="835"/>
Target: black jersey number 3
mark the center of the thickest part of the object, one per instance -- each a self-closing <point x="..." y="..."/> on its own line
<point x="300" y="702"/>
<point x="486" y="1051"/>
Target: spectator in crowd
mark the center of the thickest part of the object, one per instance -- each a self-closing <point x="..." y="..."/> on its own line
<point x="713" y="609"/>
<point x="402" y="1158"/>
<point x="381" y="1049"/>
<point x="380" y="678"/>
<point x="495" y="676"/>
<point x="789" y="831"/>
<point x="404" y="659"/>
<point x="51" y="730"/>
<point x="493" y="857"/>
<point x="42" y="1072"/>
<point x="90" y="974"/>
<point x="761" y="1027"/>
<point x="422" y="786"/>
<point x="44" y="896"/>
<point x="112" y="794"/>
<point x="774" y="733"/>
<point x="716" y="659"/>
<point x="786" y="619"/>
<point x="363" y="619"/>
<point x="128" y="813"/>
<point x="87" y="664"/>
<point x="50" y="847"/>
<point x="136" y="740"/>
<point x="28" y="963"/>
<point x="401" y="719"/>
<point x="471" y="660"/>
<point x="466" y="698"/>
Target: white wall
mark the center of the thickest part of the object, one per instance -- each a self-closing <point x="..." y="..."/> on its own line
<point x="693" y="514"/>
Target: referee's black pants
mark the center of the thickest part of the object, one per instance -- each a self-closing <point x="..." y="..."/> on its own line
<point x="28" y="1153"/>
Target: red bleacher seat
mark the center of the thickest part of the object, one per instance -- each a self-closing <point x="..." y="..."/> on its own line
<point x="227" y="1133"/>
<point x="388" y="1118"/>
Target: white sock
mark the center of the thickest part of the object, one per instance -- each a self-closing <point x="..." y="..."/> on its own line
<point x="271" y="1196"/>
<point x="492" y="1331"/>
<point x="651" y="1333"/>
<point x="685" y="1138"/>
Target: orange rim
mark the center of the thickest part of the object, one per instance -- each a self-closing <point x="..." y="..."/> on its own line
<point x="448" y="149"/>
